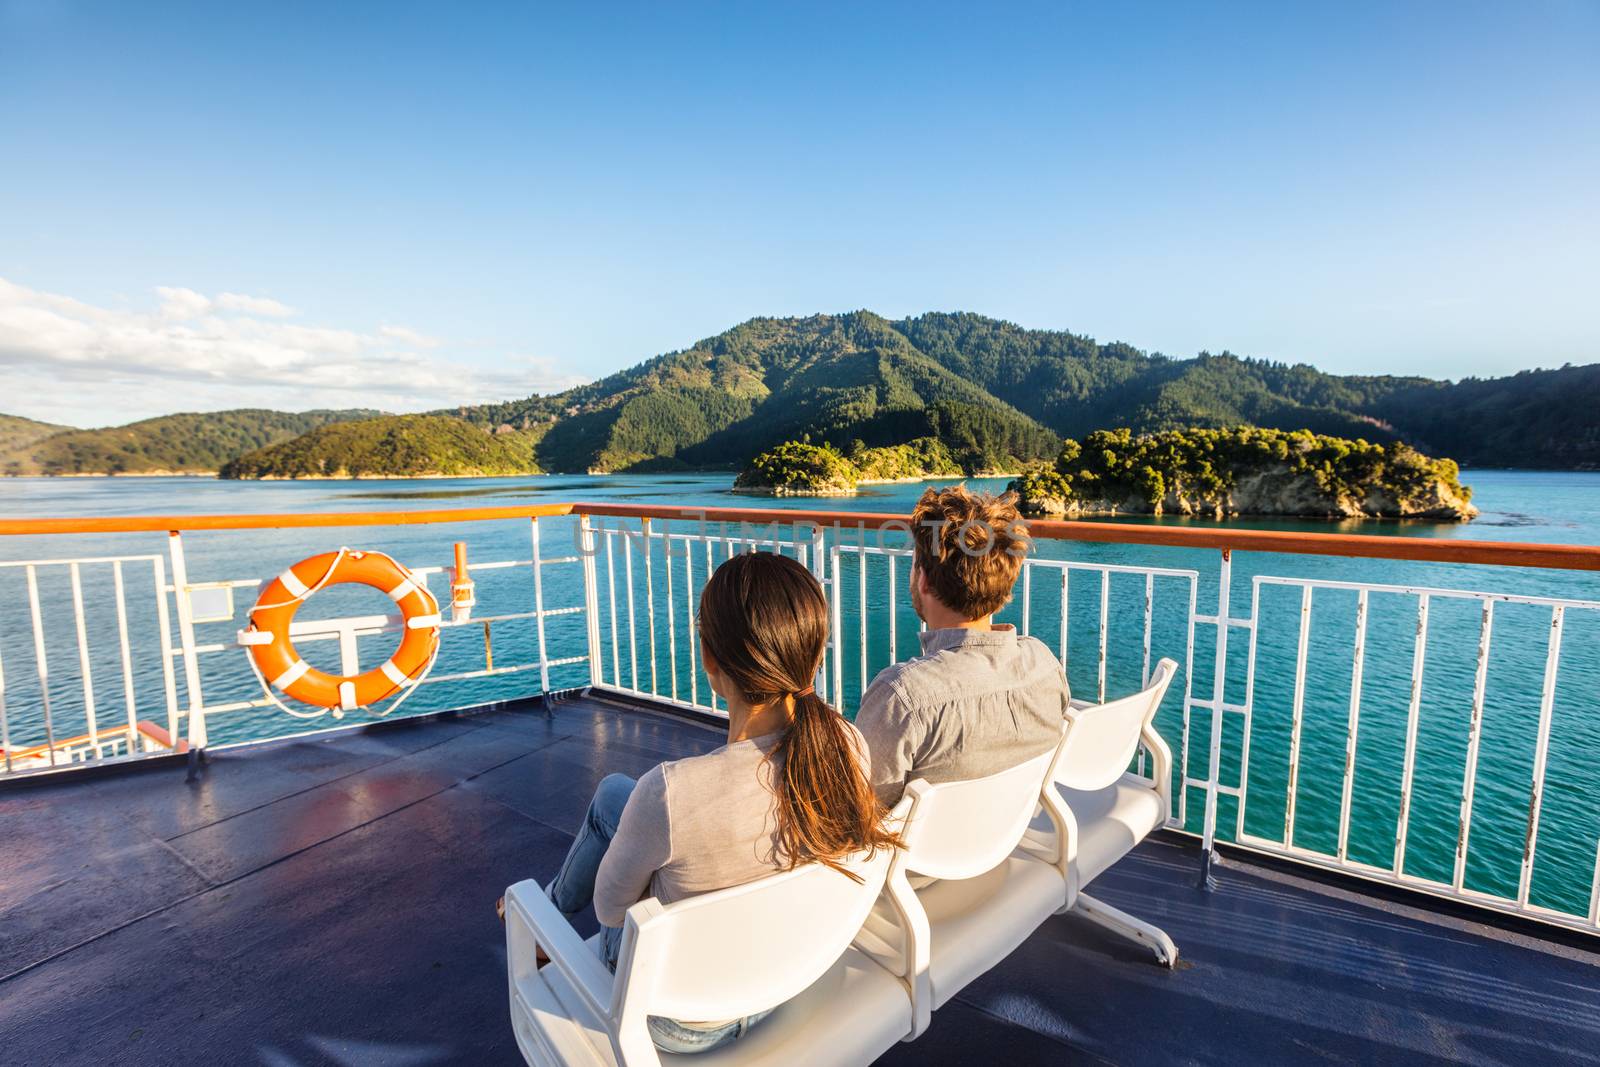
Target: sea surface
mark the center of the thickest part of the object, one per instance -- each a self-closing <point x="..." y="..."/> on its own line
<point x="1518" y="672"/>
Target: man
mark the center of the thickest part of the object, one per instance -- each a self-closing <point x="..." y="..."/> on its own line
<point x="980" y="699"/>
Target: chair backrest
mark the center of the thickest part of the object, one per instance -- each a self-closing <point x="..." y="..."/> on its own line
<point x="1102" y="739"/>
<point x="738" y="951"/>
<point x="963" y="829"/>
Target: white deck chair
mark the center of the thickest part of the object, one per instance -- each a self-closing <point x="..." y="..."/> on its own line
<point x="1109" y="808"/>
<point x="783" y="940"/>
<point x="988" y="897"/>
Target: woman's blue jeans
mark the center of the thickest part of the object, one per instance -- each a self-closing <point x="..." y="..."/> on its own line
<point x="572" y="890"/>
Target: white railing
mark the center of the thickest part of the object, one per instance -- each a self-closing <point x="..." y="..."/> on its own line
<point x="1393" y="732"/>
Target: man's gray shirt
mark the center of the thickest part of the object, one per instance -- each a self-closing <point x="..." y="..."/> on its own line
<point x="975" y="703"/>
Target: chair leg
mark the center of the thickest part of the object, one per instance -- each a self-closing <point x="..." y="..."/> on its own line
<point x="1120" y="922"/>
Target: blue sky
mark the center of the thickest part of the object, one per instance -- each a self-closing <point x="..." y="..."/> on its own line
<point x="409" y="205"/>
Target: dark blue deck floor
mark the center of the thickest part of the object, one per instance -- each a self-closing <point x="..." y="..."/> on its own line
<point x="329" y="902"/>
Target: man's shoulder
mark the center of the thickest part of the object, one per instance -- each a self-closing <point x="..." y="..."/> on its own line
<point x="1038" y="651"/>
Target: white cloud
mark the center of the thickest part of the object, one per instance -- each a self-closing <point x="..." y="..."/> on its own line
<point x="69" y="361"/>
<point x="255" y="305"/>
<point x="406" y="335"/>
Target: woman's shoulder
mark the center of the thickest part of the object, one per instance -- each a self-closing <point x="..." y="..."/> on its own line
<point x="714" y="771"/>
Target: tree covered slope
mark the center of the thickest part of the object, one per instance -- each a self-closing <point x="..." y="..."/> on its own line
<point x="18" y="432"/>
<point x="994" y="392"/>
<point x="189" y="443"/>
<point x="392" y="446"/>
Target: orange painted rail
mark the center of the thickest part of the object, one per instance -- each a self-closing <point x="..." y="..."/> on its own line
<point x="1222" y="537"/>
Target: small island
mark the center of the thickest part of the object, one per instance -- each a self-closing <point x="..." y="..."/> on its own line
<point x="1220" y="473"/>
<point x="799" y="468"/>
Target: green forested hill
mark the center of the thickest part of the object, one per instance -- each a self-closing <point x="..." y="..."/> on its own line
<point x="18" y="432"/>
<point x="829" y="378"/>
<point x="994" y="392"/>
<point x="392" y="446"/>
<point x="1537" y="418"/>
<point x="186" y="443"/>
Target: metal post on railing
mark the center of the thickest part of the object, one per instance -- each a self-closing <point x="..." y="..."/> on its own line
<point x="191" y="658"/>
<point x="587" y="550"/>
<point x="538" y="608"/>
<point x="819" y="569"/>
<point x="5" y="723"/>
<point x="1219" y="685"/>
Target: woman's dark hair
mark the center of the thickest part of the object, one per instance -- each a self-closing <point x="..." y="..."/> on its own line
<point x="764" y="622"/>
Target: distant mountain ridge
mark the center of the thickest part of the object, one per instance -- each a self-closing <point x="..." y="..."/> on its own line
<point x="993" y="391"/>
<point x="188" y="443"/>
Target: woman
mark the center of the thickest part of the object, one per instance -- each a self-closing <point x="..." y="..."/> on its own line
<point x="789" y="787"/>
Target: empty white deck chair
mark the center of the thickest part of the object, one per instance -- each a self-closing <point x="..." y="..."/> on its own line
<point x="1109" y="808"/>
<point x="987" y="898"/>
<point x="783" y="940"/>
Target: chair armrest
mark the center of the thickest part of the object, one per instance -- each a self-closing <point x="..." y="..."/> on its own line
<point x="908" y="960"/>
<point x="1160" y="767"/>
<point x="527" y="904"/>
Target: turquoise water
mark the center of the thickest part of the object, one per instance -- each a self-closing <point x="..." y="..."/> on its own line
<point x="1517" y="506"/>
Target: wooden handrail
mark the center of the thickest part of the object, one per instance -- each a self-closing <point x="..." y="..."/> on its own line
<point x="1366" y="546"/>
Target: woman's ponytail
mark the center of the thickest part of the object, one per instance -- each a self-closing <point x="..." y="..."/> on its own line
<point x="764" y="621"/>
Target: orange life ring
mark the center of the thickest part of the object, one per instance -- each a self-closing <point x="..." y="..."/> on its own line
<point x="284" y="669"/>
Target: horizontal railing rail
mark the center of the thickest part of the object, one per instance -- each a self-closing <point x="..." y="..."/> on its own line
<point x="1368" y="546"/>
<point x="1368" y="726"/>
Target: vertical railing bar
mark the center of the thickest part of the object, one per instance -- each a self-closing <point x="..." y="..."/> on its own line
<point x="650" y="602"/>
<point x="1541" y="750"/>
<point x="91" y="720"/>
<point x="711" y="694"/>
<point x="1413" y="719"/>
<point x="633" y="637"/>
<point x="1218" y="699"/>
<point x="819" y="570"/>
<point x="41" y="660"/>
<point x="1188" y="699"/>
<point x="611" y="593"/>
<point x="894" y="611"/>
<point x="838" y="624"/>
<point x="1149" y="616"/>
<point x="127" y="655"/>
<point x="1249" y="711"/>
<point x="588" y="553"/>
<point x="5" y="722"/>
<point x="191" y="658"/>
<point x="1144" y="672"/>
<point x="1105" y="627"/>
<point x="1594" y="892"/>
<point x="688" y="617"/>
<point x="672" y="627"/>
<point x="1354" y="725"/>
<point x="1066" y="582"/>
<point x="538" y="604"/>
<point x="1297" y="714"/>
<point x="1027" y="597"/>
<point x="862" y="557"/>
<point x="1474" y="736"/>
<point x="169" y="679"/>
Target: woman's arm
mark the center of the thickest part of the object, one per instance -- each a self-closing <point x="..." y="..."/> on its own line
<point x="642" y="846"/>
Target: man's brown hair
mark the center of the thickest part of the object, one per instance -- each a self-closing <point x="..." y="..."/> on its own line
<point x="970" y="546"/>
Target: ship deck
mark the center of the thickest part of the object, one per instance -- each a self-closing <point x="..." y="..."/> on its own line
<point x="329" y="901"/>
